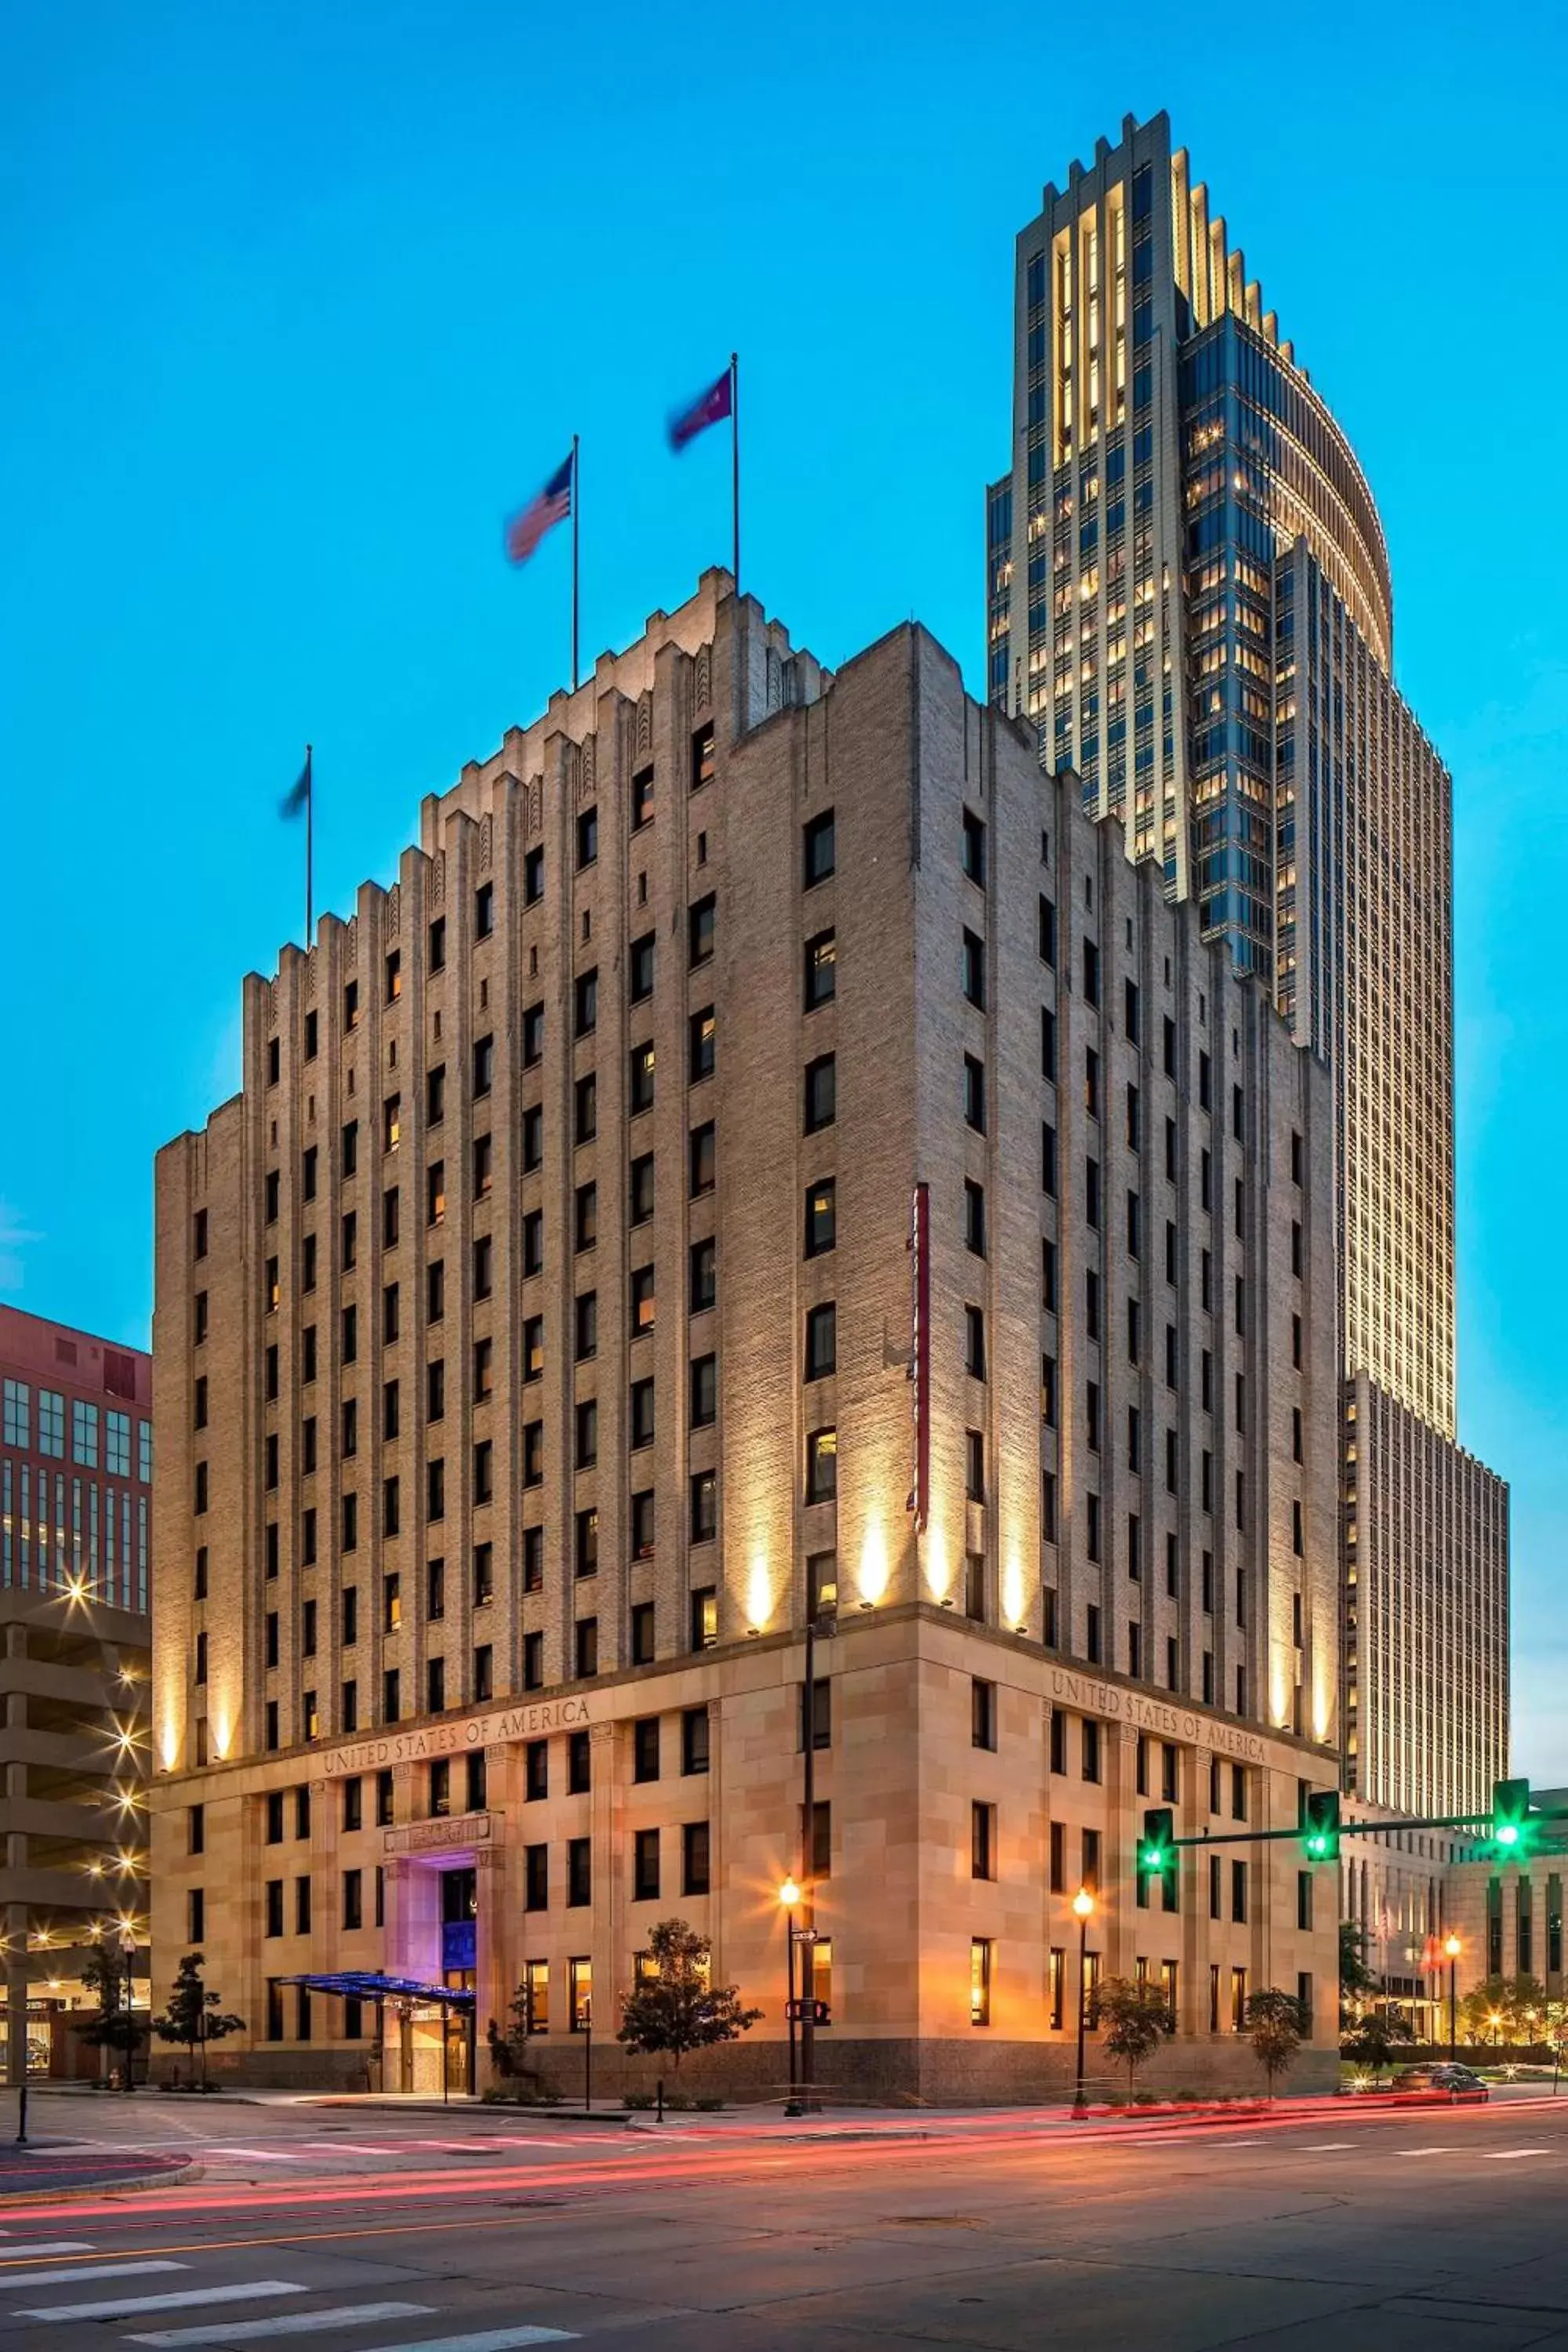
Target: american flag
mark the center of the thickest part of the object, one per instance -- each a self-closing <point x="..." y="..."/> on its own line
<point x="525" y="528"/>
<point x="705" y="410"/>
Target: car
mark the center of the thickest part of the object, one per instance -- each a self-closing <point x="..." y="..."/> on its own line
<point x="1459" y="2082"/>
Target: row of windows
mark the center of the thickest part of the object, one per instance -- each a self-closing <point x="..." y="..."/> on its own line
<point x="85" y="1419"/>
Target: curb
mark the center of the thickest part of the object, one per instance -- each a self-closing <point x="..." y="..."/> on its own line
<point x="178" y="2176"/>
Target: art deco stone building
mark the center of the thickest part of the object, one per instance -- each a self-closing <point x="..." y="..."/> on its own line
<point x="1188" y="593"/>
<point x="76" y="1493"/>
<point x="768" y="1152"/>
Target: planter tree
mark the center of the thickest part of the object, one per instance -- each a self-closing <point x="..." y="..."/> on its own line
<point x="195" y="2016"/>
<point x="1275" y="2027"/>
<point x="1134" y="2018"/>
<point x="1376" y="2039"/>
<point x="1504" y="2009"/>
<point x="676" y="2008"/>
<point x="114" y="2025"/>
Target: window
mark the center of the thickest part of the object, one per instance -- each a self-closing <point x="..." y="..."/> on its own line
<point x="640" y="969"/>
<point x="974" y="1464"/>
<point x="642" y="1289"/>
<point x="579" y="1872"/>
<point x="702" y="1034"/>
<point x="703" y="1152"/>
<point x="532" y="1035"/>
<point x="587" y="1542"/>
<point x="821" y="1343"/>
<point x="703" y="768"/>
<point x="974" y="1341"/>
<point x="973" y="969"/>
<point x="817" y="846"/>
<point x="705" y="1618"/>
<point x="641" y="1190"/>
<point x="641" y="1415"/>
<point x="645" y="1748"/>
<point x="695" y="1860"/>
<point x="1047" y="931"/>
<point x="975" y="1093"/>
<point x="588" y="833"/>
<point x="585" y="1216"/>
<point x="643" y="1629"/>
<point x="695" y="1726"/>
<point x="820" y="971"/>
<point x="640" y="1088"/>
<point x="980" y="1964"/>
<point x="703" y="1269"/>
<point x="586" y="1004"/>
<point x="820" y="1218"/>
<point x="700" y="929"/>
<point x="975" y="848"/>
<point x="642" y="799"/>
<point x="974" y="1219"/>
<point x="822" y="1465"/>
<point x="704" y="1391"/>
<point x="982" y="1713"/>
<point x="532" y="1139"/>
<point x="484" y="910"/>
<point x="585" y="1649"/>
<point x="982" y="1841"/>
<point x="820" y="1094"/>
<point x="704" y="1506"/>
<point x="533" y="1453"/>
<point x="644" y="1866"/>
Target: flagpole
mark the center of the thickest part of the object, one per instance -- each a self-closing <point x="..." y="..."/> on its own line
<point x="310" y="843"/>
<point x="735" y="458"/>
<point x="574" y="503"/>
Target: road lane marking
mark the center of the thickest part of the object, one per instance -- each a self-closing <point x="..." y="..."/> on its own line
<point x="1449" y="2148"/>
<point x="99" y="2270"/>
<point x="55" y="2246"/>
<point x="492" y="2339"/>
<point x="1326" y="2147"/>
<point x="285" y="2323"/>
<point x="1506" y="2155"/>
<point x="126" y="2307"/>
<point x="1235" y="2143"/>
<point x="218" y="2150"/>
<point x="352" y="2147"/>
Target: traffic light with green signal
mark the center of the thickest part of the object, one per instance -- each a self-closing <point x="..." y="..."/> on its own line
<point x="1156" y="1847"/>
<point x="1320" y="1825"/>
<point x="1511" y="1829"/>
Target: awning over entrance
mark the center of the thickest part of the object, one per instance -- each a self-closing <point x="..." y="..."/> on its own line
<point x="370" y="1984"/>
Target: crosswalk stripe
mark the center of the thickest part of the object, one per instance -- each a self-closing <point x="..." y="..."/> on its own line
<point x="490" y="2339"/>
<point x="218" y="2150"/>
<point x="126" y="2307"/>
<point x="99" y="2270"/>
<point x="351" y="2148"/>
<point x="55" y="2246"/>
<point x="285" y="2323"/>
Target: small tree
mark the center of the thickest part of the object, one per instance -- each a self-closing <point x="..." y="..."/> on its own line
<point x="1275" y="2027"/>
<point x="195" y="2016"/>
<point x="509" y="2049"/>
<point x="114" y="2025"/>
<point x="1503" y="2009"/>
<point x="676" y="2009"/>
<point x="1376" y="2039"/>
<point x="1134" y="2020"/>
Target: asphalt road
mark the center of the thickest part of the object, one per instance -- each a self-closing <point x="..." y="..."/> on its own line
<point x="1437" y="2229"/>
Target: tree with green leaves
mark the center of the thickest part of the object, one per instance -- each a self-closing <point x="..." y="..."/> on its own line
<point x="509" y="2048"/>
<point x="1504" y="2009"/>
<point x="1134" y="2018"/>
<point x="114" y="2025"/>
<point x="1276" y="2027"/>
<point x="675" y="2007"/>
<point x="195" y="2016"/>
<point x="1376" y="2039"/>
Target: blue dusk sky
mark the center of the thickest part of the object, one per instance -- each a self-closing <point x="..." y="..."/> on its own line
<point x="299" y="300"/>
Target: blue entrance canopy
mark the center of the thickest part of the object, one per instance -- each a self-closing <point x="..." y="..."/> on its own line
<point x="370" y="1984"/>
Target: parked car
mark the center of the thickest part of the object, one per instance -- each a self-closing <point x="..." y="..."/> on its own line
<point x="1459" y="2082"/>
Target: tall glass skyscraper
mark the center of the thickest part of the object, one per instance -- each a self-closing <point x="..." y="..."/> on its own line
<point x="1189" y="594"/>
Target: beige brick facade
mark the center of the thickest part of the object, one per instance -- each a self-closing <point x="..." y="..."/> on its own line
<point x="1131" y="1532"/>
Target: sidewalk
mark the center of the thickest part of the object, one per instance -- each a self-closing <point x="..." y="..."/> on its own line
<point x="50" y="2170"/>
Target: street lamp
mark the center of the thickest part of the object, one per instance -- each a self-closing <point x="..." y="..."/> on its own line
<point x="1453" y="1947"/>
<point x="789" y="1896"/>
<point x="1083" y="1911"/>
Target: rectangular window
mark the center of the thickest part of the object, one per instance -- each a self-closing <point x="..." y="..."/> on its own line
<point x="980" y="1967"/>
<point x="822" y="1465"/>
<point x="818" y="850"/>
<point x="821" y="971"/>
<point x="700" y="922"/>
<point x="982" y="1841"/>
<point x="644" y="1866"/>
<point x="820" y="1094"/>
<point x="695" y="1858"/>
